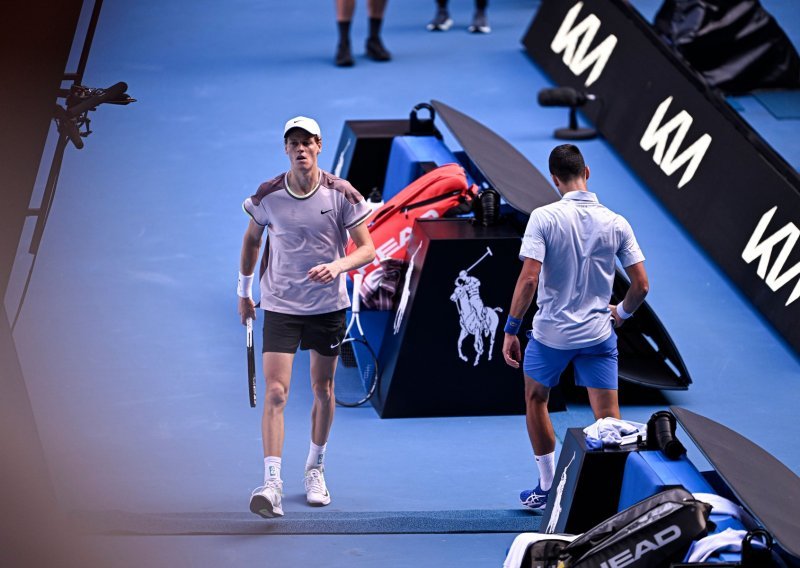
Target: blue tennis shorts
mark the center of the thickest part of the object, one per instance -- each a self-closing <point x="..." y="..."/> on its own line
<point x="595" y="366"/>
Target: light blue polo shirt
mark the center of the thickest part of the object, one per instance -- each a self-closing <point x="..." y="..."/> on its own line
<point x="577" y="240"/>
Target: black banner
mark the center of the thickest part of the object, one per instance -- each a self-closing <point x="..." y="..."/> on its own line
<point x="733" y="193"/>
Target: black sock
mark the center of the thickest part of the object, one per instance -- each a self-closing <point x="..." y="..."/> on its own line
<point x="442" y="4"/>
<point x="375" y="27"/>
<point x="344" y="32"/>
<point x="480" y="5"/>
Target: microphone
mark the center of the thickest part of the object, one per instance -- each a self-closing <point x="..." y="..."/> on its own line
<point x="563" y="97"/>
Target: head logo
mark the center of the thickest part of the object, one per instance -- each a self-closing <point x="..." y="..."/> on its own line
<point x="574" y="41"/>
<point x="667" y="157"/>
<point x="644" y="546"/>
<point x="762" y="249"/>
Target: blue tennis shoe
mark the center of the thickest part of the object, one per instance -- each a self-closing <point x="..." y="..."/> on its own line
<point x="535" y="499"/>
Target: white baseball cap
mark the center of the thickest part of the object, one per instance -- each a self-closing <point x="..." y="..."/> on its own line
<point x="308" y="124"/>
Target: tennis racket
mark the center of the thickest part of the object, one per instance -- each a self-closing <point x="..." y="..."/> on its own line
<point x="357" y="369"/>
<point x="251" y="363"/>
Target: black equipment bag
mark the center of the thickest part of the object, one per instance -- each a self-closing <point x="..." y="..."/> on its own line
<point x="735" y="44"/>
<point x="544" y="553"/>
<point x="652" y="533"/>
<point x="536" y="550"/>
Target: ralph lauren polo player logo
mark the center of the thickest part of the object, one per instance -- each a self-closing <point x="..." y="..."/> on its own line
<point x="475" y="318"/>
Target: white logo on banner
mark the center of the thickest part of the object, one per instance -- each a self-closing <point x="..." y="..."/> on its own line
<point x="475" y="318"/>
<point x="762" y="249"/>
<point x="405" y="294"/>
<point x="577" y="55"/>
<point x="337" y="171"/>
<point x="667" y="157"/>
<point x="556" y="511"/>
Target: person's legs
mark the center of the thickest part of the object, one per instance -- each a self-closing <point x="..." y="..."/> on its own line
<point x="266" y="499"/>
<point x="480" y="21"/>
<point x="376" y="8"/>
<point x="375" y="48"/>
<point x="543" y="442"/>
<point x="543" y="367"/>
<point x="537" y="418"/>
<point x="604" y="402"/>
<point x="281" y="338"/>
<point x="322" y="371"/>
<point x="441" y="22"/>
<point x="322" y="335"/>
<point x="597" y="369"/>
<point x="278" y="374"/>
<point x="344" y="16"/>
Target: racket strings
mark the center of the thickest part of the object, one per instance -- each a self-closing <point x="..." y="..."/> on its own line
<point x="347" y="354"/>
<point x="357" y="375"/>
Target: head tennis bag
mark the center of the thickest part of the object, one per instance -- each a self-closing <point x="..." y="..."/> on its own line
<point x="429" y="196"/>
<point x="653" y="533"/>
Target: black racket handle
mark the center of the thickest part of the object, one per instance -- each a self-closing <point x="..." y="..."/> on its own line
<point x="251" y="364"/>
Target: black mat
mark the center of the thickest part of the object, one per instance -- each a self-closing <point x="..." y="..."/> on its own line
<point x="389" y="522"/>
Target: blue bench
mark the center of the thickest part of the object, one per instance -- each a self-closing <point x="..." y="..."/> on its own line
<point x="649" y="472"/>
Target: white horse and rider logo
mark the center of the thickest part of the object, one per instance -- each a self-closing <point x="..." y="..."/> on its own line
<point x="475" y="318"/>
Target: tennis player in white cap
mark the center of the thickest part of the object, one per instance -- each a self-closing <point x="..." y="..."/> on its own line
<point x="307" y="213"/>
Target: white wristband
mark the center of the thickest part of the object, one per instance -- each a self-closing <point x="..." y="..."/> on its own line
<point x="622" y="313"/>
<point x="245" y="286"/>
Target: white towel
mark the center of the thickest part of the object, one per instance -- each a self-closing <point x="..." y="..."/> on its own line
<point x="612" y="432"/>
<point x="729" y="540"/>
<point x="720" y="505"/>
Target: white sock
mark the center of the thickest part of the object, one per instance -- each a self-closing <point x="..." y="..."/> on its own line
<point x="547" y="469"/>
<point x="316" y="456"/>
<point x="272" y="468"/>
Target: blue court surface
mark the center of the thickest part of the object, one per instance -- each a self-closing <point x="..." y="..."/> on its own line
<point x="133" y="352"/>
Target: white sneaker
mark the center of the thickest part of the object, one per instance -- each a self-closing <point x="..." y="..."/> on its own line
<point x="265" y="501"/>
<point x="316" y="490"/>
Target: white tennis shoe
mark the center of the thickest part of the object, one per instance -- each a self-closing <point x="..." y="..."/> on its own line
<point x="265" y="501"/>
<point x="316" y="490"/>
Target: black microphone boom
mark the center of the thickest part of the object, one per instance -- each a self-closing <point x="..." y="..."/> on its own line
<point x="563" y="97"/>
<point x="572" y="98"/>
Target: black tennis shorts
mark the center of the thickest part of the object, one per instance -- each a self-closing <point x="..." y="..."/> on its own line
<point x="323" y="333"/>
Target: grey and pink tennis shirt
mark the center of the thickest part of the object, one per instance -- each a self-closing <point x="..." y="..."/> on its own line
<point x="302" y="232"/>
